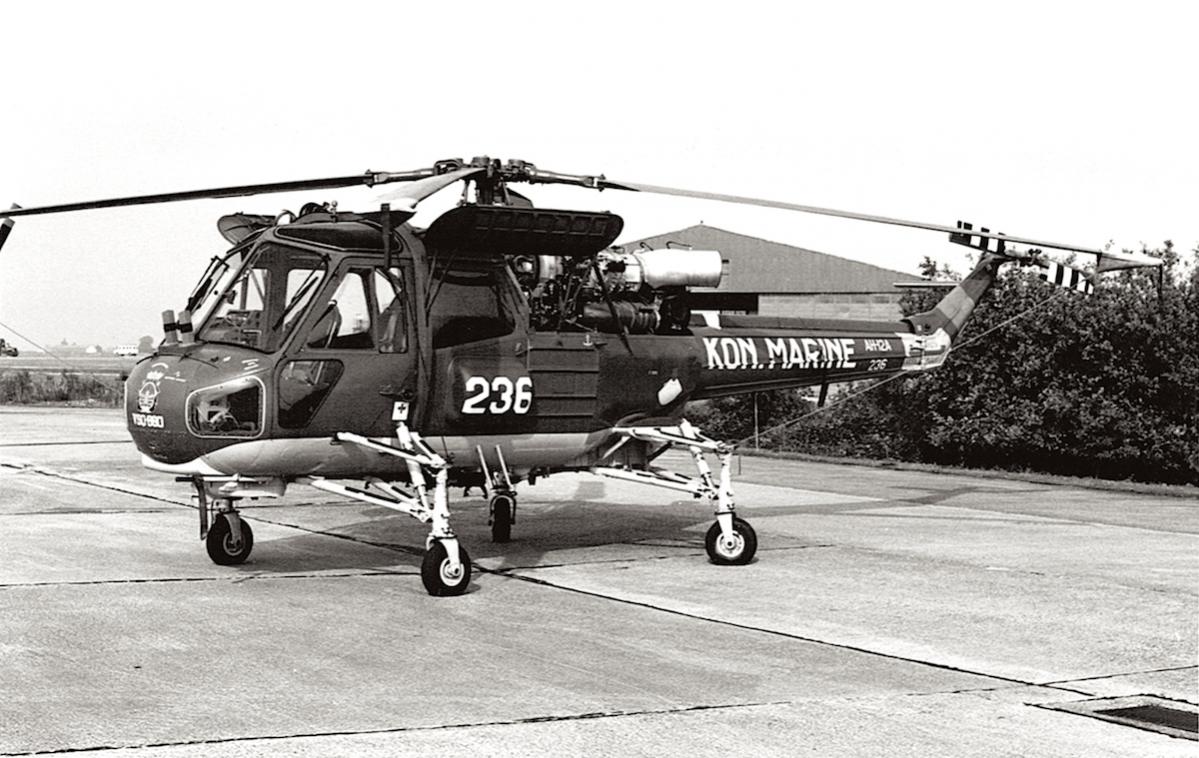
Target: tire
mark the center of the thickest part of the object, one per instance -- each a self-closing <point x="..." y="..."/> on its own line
<point x="738" y="554"/>
<point x="220" y="542"/>
<point x="435" y="573"/>
<point x="502" y="508"/>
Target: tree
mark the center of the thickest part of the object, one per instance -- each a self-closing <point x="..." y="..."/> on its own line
<point x="1048" y="380"/>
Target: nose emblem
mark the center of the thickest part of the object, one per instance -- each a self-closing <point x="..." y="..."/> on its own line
<point x="147" y="396"/>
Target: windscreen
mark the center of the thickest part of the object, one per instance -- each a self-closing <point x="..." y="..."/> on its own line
<point x="260" y="305"/>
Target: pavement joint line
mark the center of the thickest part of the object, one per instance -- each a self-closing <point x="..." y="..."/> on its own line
<point x="87" y="482"/>
<point x="91" y="512"/>
<point x="792" y="636"/>
<point x="65" y="442"/>
<point x="1101" y="677"/>
<point x="432" y="728"/>
<point x="232" y="579"/>
<point x="348" y="537"/>
<point x="971" y="690"/>
<point x="692" y="551"/>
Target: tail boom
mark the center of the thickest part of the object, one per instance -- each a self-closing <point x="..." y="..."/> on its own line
<point x="755" y="353"/>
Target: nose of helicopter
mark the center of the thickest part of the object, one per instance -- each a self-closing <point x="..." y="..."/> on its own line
<point x="179" y="406"/>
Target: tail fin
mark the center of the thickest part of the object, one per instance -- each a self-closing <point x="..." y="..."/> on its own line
<point x="6" y="225"/>
<point x="952" y="312"/>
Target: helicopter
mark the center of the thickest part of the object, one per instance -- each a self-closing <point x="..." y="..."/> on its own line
<point x="383" y="362"/>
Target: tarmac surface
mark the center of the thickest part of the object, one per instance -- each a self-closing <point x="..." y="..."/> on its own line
<point x="889" y="612"/>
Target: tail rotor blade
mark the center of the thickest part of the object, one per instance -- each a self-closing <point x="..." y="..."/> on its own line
<point x="1068" y="277"/>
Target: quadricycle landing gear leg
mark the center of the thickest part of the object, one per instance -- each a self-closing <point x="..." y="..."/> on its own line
<point x="730" y="540"/>
<point x="227" y="537"/>
<point x="446" y="567"/>
<point x="501" y="496"/>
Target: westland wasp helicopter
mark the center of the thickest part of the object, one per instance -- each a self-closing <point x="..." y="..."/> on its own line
<point x="361" y="355"/>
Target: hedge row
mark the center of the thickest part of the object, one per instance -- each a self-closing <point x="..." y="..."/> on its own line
<point x="1104" y="386"/>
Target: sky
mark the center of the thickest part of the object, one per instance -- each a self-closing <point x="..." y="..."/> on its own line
<point x="1055" y="121"/>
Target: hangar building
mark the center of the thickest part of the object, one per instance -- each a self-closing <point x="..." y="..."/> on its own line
<point x="773" y="279"/>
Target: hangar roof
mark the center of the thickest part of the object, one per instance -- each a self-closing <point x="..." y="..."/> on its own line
<point x="758" y="265"/>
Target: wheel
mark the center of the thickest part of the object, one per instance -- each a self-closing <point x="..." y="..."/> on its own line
<point x="435" y="571"/>
<point x="502" y="508"/>
<point x="220" y="542"/>
<point x="739" y="551"/>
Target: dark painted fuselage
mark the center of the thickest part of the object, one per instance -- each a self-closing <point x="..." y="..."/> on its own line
<point x="267" y="385"/>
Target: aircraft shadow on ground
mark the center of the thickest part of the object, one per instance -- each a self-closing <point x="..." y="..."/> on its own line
<point x="389" y="541"/>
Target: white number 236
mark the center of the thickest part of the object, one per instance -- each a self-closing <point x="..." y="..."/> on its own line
<point x="498" y="395"/>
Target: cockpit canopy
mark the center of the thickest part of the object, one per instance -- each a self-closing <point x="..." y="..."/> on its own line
<point x="264" y="297"/>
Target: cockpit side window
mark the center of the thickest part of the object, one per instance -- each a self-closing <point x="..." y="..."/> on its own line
<point x="391" y="324"/>
<point x="469" y="304"/>
<point x="301" y="286"/>
<point x="344" y="321"/>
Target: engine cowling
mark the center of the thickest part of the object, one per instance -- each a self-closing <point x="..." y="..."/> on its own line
<point x="647" y="288"/>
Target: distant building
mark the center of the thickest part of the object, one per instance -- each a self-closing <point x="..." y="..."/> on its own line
<point x="773" y="279"/>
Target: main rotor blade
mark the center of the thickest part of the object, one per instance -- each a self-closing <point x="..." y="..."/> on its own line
<point x="741" y="200"/>
<point x="369" y="179"/>
<point x="408" y="196"/>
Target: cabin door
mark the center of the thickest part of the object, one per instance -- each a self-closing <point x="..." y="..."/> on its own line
<point x="355" y="357"/>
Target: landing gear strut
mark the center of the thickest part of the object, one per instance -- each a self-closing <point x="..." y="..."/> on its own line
<point x="501" y="509"/>
<point x="503" y="516"/>
<point x="229" y="538"/>
<point x="730" y="541"/>
<point x="446" y="568"/>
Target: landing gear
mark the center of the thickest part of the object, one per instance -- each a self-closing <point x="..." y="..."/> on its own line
<point x="730" y="541"/>
<point x="501" y="509"/>
<point x="227" y="537"/>
<point x="230" y="539"/>
<point x="446" y="567"/>
<point x="735" y="550"/>
<point x="503" y="516"/>
<point x="442" y="576"/>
